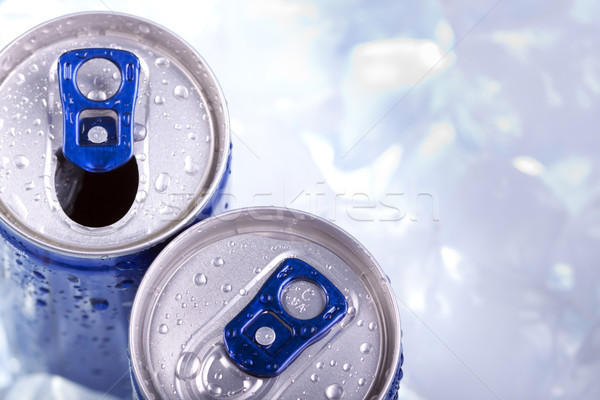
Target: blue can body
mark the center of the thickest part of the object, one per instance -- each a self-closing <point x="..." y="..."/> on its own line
<point x="69" y="316"/>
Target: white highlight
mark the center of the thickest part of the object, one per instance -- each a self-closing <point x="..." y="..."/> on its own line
<point x="372" y="179"/>
<point x="388" y="64"/>
<point x="528" y="165"/>
<point x="451" y="258"/>
<point x="440" y="135"/>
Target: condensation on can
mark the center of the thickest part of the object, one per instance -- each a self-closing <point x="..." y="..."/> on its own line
<point x="68" y="277"/>
<point x="208" y="275"/>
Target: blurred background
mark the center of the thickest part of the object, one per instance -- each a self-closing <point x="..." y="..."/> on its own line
<point x="457" y="140"/>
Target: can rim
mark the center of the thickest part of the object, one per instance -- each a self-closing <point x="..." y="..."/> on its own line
<point x="169" y="230"/>
<point x="173" y="254"/>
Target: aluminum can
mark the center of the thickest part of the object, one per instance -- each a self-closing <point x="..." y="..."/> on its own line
<point x="265" y="303"/>
<point x="114" y="136"/>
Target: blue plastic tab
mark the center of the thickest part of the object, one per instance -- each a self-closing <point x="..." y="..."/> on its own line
<point x="291" y="335"/>
<point x="114" y="115"/>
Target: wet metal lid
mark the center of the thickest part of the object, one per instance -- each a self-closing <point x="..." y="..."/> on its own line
<point x="158" y="155"/>
<point x="224" y="306"/>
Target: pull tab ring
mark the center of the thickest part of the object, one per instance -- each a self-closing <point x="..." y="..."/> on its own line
<point x="98" y="135"/>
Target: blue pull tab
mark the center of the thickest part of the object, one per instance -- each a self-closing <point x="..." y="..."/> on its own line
<point x="265" y="338"/>
<point x="111" y="118"/>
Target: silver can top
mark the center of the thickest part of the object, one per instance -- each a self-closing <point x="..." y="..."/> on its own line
<point x="180" y="129"/>
<point x="211" y="273"/>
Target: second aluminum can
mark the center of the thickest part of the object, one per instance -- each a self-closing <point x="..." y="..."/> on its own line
<point x="265" y="303"/>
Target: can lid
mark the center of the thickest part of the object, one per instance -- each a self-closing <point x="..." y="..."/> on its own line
<point x="175" y="134"/>
<point x="269" y="274"/>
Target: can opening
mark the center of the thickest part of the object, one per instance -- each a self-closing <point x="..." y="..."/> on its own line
<point x="95" y="199"/>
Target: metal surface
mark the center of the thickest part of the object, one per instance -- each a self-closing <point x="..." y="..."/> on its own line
<point x="180" y="130"/>
<point x="68" y="286"/>
<point x="211" y="272"/>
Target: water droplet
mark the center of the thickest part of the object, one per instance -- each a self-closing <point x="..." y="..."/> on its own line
<point x="190" y="167"/>
<point x="164" y="82"/>
<point x="192" y="136"/>
<point x="162" y="62"/>
<point x="144" y="28"/>
<point x="372" y="326"/>
<point x="188" y="366"/>
<point x="21" y="161"/>
<point x="99" y="303"/>
<point x="204" y="117"/>
<point x="351" y="310"/>
<point x="139" y="132"/>
<point x="34" y="68"/>
<point x="73" y="279"/>
<point x="141" y="196"/>
<point x="218" y="262"/>
<point x="124" y="284"/>
<point x="163" y="180"/>
<point x="360" y="322"/>
<point x="214" y="389"/>
<point x="20" y="79"/>
<point x="163" y="329"/>
<point x="207" y="139"/>
<point x="362" y="381"/>
<point x="347" y="367"/>
<point x="320" y="365"/>
<point x="200" y="279"/>
<point x="218" y="375"/>
<point x="257" y="270"/>
<point x="178" y="296"/>
<point x="243" y="292"/>
<point x="37" y="122"/>
<point x="333" y="363"/>
<point x="7" y="64"/>
<point x="97" y="95"/>
<point x="334" y="392"/>
<point x="365" y="348"/>
<point x="226" y="288"/>
<point x="37" y="197"/>
<point x="158" y="100"/>
<point x="181" y="92"/>
<point x="328" y="266"/>
<point x="179" y="321"/>
<point x="314" y="378"/>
